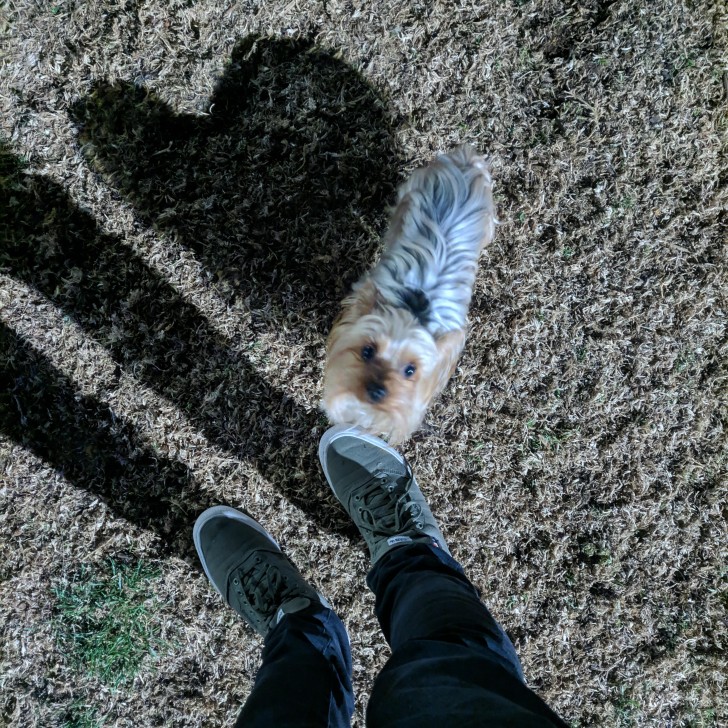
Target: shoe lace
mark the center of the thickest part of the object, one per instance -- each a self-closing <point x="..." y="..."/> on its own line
<point x="263" y="585"/>
<point x="385" y="506"/>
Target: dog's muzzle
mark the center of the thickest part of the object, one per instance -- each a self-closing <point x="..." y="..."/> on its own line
<point x="376" y="392"/>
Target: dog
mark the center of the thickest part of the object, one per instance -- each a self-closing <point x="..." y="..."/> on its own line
<point x="400" y="333"/>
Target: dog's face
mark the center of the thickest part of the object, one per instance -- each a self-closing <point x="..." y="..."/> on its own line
<point x="383" y="368"/>
<point x="378" y="372"/>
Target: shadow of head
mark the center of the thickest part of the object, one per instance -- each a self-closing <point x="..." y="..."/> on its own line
<point x="276" y="189"/>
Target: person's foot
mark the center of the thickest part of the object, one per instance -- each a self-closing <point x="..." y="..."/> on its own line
<point x="378" y="490"/>
<point x="247" y="567"/>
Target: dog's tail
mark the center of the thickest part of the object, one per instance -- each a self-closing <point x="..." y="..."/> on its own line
<point x="453" y="195"/>
<point x="476" y="195"/>
<point x="465" y="157"/>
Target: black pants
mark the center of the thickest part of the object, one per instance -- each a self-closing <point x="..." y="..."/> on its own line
<point x="451" y="665"/>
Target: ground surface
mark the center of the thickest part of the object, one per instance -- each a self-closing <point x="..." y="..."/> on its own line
<point x="188" y="190"/>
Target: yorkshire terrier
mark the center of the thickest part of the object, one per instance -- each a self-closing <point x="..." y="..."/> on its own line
<point x="397" y="340"/>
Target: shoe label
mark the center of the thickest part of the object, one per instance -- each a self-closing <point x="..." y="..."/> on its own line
<point x="394" y="540"/>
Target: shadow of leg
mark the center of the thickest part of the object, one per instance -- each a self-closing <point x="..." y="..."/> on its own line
<point x="41" y="410"/>
<point x="151" y="330"/>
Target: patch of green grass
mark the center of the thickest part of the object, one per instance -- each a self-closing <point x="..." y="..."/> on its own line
<point x="706" y="719"/>
<point x="80" y="715"/>
<point x="525" y="58"/>
<point x="625" y="709"/>
<point x="106" y="620"/>
<point x="596" y="554"/>
<point x="544" y="438"/>
<point x="540" y="137"/>
<point x="626" y="203"/>
<point x="685" y="360"/>
<point x="474" y="457"/>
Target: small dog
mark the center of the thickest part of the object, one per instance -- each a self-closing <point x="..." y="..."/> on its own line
<point x="397" y="340"/>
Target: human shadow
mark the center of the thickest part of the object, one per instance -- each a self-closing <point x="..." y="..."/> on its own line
<point x="41" y="409"/>
<point x="289" y="248"/>
<point x="152" y="332"/>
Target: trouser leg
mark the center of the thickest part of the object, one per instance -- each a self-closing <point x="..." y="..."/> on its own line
<point x="305" y="676"/>
<point x="451" y="663"/>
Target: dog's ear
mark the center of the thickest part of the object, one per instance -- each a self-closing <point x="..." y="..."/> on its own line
<point x="360" y="302"/>
<point x="448" y="346"/>
<point x="363" y="300"/>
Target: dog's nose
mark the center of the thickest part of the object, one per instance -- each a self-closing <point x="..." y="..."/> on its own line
<point x="376" y="392"/>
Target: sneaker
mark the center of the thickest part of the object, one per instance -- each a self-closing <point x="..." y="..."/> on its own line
<point x="375" y="485"/>
<point x="247" y="567"/>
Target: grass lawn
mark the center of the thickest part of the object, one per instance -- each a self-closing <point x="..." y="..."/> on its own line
<point x="188" y="190"/>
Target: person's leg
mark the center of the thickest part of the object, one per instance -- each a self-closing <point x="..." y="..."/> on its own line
<point x="451" y="663"/>
<point x="422" y="592"/>
<point x="305" y="675"/>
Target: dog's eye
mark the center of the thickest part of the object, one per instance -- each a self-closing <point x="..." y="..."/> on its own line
<point x="368" y="352"/>
<point x="409" y="370"/>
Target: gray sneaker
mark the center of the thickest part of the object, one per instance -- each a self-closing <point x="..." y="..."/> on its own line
<point x="378" y="490"/>
<point x="247" y="567"/>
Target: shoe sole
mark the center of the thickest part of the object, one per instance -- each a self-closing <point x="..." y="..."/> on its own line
<point x="337" y="431"/>
<point x="226" y="512"/>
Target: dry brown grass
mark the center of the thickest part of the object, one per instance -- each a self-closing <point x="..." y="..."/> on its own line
<point x="187" y="191"/>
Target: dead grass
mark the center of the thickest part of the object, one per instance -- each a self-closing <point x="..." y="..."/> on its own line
<point x="186" y="191"/>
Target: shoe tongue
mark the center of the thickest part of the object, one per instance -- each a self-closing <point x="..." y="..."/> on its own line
<point x="291" y="606"/>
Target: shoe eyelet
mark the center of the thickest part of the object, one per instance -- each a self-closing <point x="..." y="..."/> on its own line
<point x="236" y="581"/>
